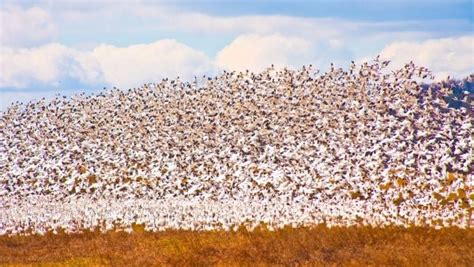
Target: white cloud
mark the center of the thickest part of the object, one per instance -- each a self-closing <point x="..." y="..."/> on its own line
<point x="121" y="66"/>
<point x="167" y="16"/>
<point x="20" y="65"/>
<point x="446" y="56"/>
<point x="257" y="42"/>
<point x="23" y="27"/>
<point x="84" y="67"/>
<point x="133" y="65"/>
<point x="48" y="64"/>
<point x="270" y="24"/>
<point x="256" y="52"/>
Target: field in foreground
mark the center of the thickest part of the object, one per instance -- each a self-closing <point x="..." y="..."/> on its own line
<point x="288" y="246"/>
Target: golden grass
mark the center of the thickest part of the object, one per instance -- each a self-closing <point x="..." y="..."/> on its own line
<point x="353" y="246"/>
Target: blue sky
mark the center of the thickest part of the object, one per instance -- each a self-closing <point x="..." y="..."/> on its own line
<point x="66" y="47"/>
<point x="375" y="10"/>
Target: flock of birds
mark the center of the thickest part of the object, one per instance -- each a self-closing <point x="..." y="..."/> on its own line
<point x="356" y="146"/>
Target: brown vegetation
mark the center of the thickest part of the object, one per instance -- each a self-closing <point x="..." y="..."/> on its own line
<point x="290" y="246"/>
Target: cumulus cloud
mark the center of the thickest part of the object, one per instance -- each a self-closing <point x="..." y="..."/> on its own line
<point x="48" y="64"/>
<point x="132" y="65"/>
<point x="137" y="64"/>
<point x="29" y="60"/>
<point x="256" y="52"/>
<point x="25" y="27"/>
<point x="121" y="66"/>
<point x="445" y="56"/>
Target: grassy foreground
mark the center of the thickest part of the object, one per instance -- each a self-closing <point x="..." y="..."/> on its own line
<point x="290" y="246"/>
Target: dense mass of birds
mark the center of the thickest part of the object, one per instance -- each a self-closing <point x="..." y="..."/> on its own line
<point x="356" y="146"/>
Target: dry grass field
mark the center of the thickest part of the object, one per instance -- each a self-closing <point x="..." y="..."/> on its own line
<point x="290" y="246"/>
